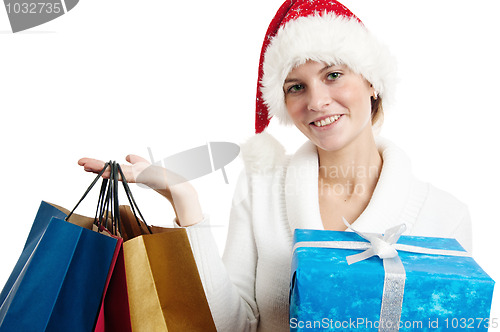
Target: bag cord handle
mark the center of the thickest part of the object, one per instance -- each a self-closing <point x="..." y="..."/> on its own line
<point x="133" y="204"/>
<point x="90" y="188"/>
<point x="108" y="203"/>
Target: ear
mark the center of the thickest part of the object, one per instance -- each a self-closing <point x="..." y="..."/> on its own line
<point x="374" y="93"/>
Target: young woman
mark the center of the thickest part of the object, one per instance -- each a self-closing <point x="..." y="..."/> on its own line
<point x="322" y="71"/>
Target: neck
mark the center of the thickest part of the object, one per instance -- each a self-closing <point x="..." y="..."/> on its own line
<point x="352" y="171"/>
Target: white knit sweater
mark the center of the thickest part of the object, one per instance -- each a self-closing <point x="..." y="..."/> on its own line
<point x="248" y="288"/>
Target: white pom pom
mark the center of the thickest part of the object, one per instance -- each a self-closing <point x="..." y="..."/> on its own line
<point x="262" y="152"/>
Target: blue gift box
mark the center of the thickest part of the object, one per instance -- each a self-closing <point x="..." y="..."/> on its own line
<point x="440" y="292"/>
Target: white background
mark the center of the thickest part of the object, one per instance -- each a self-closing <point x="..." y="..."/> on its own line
<point x="116" y="77"/>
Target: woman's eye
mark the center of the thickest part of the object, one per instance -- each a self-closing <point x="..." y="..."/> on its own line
<point x="295" y="88"/>
<point x="334" y="76"/>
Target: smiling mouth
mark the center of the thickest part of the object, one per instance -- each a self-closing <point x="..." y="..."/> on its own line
<point x="327" y="121"/>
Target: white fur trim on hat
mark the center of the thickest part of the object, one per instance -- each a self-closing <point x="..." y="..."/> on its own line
<point x="328" y="38"/>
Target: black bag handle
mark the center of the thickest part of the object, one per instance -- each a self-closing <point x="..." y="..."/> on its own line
<point x="101" y="200"/>
<point x="108" y="203"/>
<point x="106" y="197"/>
<point x="90" y="188"/>
<point x="101" y="218"/>
<point x="133" y="204"/>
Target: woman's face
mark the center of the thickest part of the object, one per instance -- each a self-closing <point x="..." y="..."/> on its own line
<point x="331" y="105"/>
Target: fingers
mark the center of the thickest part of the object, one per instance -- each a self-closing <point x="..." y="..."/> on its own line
<point x="130" y="171"/>
<point x="91" y="165"/>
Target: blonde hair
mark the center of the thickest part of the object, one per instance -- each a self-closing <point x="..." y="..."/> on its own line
<point x="377" y="112"/>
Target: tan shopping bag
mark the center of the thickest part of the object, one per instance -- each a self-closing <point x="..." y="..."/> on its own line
<point x="77" y="219"/>
<point x="164" y="288"/>
<point x="83" y="221"/>
<point x="131" y="227"/>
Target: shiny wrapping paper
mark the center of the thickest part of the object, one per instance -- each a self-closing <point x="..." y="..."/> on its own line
<point x="440" y="292"/>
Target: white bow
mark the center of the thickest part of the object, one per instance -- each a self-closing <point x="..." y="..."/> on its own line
<point x="381" y="246"/>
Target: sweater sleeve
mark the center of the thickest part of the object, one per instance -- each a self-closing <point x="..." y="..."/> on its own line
<point x="463" y="231"/>
<point x="229" y="283"/>
<point x="443" y="215"/>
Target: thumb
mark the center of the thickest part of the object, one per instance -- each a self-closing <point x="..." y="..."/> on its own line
<point x="133" y="159"/>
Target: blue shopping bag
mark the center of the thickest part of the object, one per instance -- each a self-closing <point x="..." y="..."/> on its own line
<point x="44" y="215"/>
<point x="58" y="281"/>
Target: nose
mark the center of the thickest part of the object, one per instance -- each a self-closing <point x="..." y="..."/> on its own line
<point x="319" y="97"/>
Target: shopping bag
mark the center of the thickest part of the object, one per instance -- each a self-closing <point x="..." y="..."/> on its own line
<point x="164" y="288"/>
<point x="131" y="226"/>
<point x="114" y="312"/>
<point x="58" y="281"/>
<point x="42" y="219"/>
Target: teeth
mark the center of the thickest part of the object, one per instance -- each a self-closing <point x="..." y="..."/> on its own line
<point x="326" y="121"/>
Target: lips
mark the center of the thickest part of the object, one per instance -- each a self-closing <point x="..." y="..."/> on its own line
<point x="325" y="121"/>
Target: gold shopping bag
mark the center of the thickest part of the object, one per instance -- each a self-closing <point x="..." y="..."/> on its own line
<point x="164" y="288"/>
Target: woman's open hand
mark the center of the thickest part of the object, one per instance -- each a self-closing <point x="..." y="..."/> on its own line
<point x="179" y="192"/>
<point x="131" y="172"/>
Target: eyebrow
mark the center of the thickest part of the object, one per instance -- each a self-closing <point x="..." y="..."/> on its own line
<point x="325" y="68"/>
<point x="291" y="80"/>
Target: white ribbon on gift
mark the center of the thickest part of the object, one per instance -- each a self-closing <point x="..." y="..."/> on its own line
<point x="386" y="248"/>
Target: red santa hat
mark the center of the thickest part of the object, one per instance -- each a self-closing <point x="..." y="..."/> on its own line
<point x="318" y="30"/>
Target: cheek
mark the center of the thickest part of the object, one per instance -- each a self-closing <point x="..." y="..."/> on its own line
<point x="356" y="100"/>
<point x="294" y="107"/>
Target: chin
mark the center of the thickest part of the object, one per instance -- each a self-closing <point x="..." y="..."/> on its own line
<point x="331" y="143"/>
<point x="331" y="146"/>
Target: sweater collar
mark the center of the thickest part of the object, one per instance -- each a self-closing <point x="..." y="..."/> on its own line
<point x="386" y="208"/>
